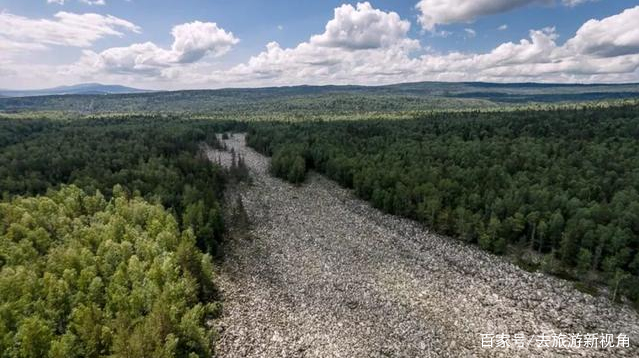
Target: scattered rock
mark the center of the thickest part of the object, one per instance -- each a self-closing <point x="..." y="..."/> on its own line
<point x="326" y="275"/>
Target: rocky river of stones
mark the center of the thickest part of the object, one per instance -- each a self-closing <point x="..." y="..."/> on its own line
<point x="320" y="273"/>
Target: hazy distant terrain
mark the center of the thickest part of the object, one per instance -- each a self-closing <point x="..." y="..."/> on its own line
<point x="81" y="89"/>
<point x="316" y="99"/>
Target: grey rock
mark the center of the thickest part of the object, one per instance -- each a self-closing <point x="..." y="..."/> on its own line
<point x="326" y="275"/>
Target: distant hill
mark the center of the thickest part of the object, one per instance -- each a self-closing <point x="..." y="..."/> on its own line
<point x="313" y="100"/>
<point x="81" y="89"/>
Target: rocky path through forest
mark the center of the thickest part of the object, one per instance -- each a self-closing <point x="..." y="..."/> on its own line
<point x="322" y="274"/>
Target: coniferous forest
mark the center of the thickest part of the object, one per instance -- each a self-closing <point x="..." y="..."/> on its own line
<point x="557" y="188"/>
<point x="119" y="263"/>
<point x="110" y="225"/>
<point x="263" y="179"/>
<point x="87" y="276"/>
<point x="258" y="179"/>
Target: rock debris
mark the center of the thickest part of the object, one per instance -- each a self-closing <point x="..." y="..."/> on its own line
<point x="320" y="273"/>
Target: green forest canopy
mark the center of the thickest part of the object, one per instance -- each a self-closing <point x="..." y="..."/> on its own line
<point x="310" y="101"/>
<point x="83" y="276"/>
<point x="559" y="183"/>
<point x="117" y="264"/>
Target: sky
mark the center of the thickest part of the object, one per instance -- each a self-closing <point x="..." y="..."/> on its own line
<point x="189" y="44"/>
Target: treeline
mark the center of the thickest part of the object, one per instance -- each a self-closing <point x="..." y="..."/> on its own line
<point x="310" y="101"/>
<point x="230" y="104"/>
<point x="153" y="156"/>
<point x="559" y="188"/>
<point x="84" y="276"/>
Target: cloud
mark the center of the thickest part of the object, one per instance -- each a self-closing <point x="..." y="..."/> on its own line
<point x="441" y="33"/>
<point x="191" y="42"/>
<point x="602" y="50"/>
<point x="470" y="33"/>
<point x="308" y="63"/>
<point x="141" y="58"/>
<point x="362" y="27"/>
<point x="350" y="44"/>
<point x="10" y="46"/>
<point x="93" y="2"/>
<point x="196" y="39"/>
<point x="6" y="70"/>
<point x="613" y="36"/>
<point x="538" y="49"/>
<point x="442" y="12"/>
<point x="503" y="27"/>
<point x="536" y="58"/>
<point x="358" y="42"/>
<point x="66" y="29"/>
<point x="539" y="58"/>
<point x="88" y="2"/>
<point x="575" y="2"/>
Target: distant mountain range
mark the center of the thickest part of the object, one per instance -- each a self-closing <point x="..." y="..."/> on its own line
<point x="437" y="89"/>
<point x="81" y="89"/>
<point x="311" y="100"/>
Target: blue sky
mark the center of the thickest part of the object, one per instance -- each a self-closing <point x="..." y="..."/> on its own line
<point x="224" y="43"/>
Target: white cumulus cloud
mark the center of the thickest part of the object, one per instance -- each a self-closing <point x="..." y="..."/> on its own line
<point x="379" y="51"/>
<point x="191" y="42"/>
<point x="613" y="36"/>
<point x="362" y="27"/>
<point x="536" y="58"/>
<point x="359" y="41"/>
<point x="196" y="39"/>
